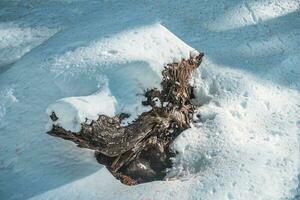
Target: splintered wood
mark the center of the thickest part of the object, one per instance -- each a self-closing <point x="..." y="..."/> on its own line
<point x="140" y="152"/>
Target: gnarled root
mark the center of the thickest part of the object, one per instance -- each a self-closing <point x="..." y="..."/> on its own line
<point x="139" y="152"/>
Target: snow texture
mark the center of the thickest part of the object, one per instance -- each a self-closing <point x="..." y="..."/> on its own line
<point x="15" y="41"/>
<point x="152" y="46"/>
<point x="83" y="58"/>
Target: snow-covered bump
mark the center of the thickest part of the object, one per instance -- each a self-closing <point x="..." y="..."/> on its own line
<point x="131" y="60"/>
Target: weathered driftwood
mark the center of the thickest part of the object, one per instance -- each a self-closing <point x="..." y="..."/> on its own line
<point x="139" y="152"/>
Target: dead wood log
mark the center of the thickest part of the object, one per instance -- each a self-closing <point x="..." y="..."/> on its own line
<point x="139" y="152"/>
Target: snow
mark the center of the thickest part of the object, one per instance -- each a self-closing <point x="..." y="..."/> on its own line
<point x="7" y="100"/>
<point x="253" y="12"/>
<point x="251" y="136"/>
<point x="152" y="46"/>
<point x="73" y="111"/>
<point x="84" y="58"/>
<point x="16" y="40"/>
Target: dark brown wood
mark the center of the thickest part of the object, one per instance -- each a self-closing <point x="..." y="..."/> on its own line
<point x="139" y="152"/>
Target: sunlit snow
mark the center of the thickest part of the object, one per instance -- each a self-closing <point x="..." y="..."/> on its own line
<point x="84" y="58"/>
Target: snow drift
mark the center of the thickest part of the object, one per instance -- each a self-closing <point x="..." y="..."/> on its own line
<point x="245" y="144"/>
<point x="153" y="47"/>
<point x="241" y="135"/>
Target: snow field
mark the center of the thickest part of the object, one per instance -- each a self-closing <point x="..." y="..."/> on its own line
<point x="245" y="141"/>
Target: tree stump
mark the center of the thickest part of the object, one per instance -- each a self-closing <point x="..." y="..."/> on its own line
<point x="140" y="152"/>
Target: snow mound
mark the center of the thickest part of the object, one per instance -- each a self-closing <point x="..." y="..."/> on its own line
<point x="74" y="111"/>
<point x="153" y="44"/>
<point x="247" y="131"/>
<point x="245" y="137"/>
<point x="244" y="141"/>
<point x="123" y="60"/>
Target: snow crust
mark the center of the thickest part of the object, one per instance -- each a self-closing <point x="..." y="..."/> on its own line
<point x="245" y="142"/>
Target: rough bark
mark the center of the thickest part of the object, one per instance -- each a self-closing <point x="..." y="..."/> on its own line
<point x="139" y="152"/>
